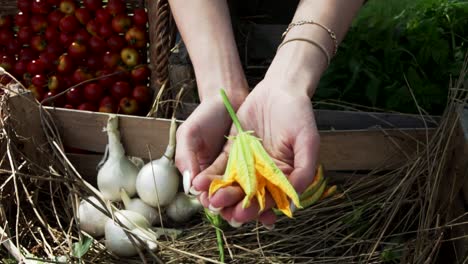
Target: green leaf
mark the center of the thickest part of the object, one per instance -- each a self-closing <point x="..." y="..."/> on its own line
<point x="80" y="248"/>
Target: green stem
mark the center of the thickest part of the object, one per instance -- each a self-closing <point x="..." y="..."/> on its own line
<point x="219" y="239"/>
<point x="231" y="111"/>
<point x="215" y="220"/>
<point x="170" y="149"/>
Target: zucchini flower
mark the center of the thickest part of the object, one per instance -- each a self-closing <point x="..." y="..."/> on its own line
<point x="250" y="166"/>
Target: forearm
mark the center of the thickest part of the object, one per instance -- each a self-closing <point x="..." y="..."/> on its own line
<point x="303" y="63"/>
<point x="206" y="29"/>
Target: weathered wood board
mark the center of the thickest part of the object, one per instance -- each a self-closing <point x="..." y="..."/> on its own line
<point x="358" y="148"/>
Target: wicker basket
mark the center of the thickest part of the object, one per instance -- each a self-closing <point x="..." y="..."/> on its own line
<point x="161" y="28"/>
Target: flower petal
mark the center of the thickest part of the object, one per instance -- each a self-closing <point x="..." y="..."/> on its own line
<point x="268" y="169"/>
<point x="245" y="166"/>
<point x="217" y="184"/>
<point x="280" y="198"/>
<point x="261" y="184"/>
<point x="317" y="181"/>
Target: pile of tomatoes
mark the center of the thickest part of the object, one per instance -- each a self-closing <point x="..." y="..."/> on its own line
<point x="52" y="45"/>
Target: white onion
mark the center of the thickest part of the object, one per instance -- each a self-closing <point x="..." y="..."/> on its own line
<point x="118" y="171"/>
<point x="117" y="240"/>
<point x="137" y="205"/>
<point x="91" y="219"/>
<point x="183" y="207"/>
<point x="158" y="181"/>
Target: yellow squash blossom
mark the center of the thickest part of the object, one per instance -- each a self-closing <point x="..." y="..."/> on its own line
<point x="316" y="191"/>
<point x="250" y="166"/>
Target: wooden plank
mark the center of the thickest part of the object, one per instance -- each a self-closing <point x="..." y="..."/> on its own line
<point x="361" y="149"/>
<point x="24" y="120"/>
<point x="345" y="120"/>
<point x="339" y="150"/>
<point x="84" y="130"/>
<point x="366" y="150"/>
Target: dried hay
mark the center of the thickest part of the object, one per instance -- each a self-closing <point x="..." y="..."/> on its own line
<point x="398" y="216"/>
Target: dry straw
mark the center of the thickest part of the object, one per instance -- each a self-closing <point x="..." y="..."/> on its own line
<point x="397" y="216"/>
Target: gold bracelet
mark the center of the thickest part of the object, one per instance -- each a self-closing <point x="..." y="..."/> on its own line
<point x="311" y="42"/>
<point x="304" y="22"/>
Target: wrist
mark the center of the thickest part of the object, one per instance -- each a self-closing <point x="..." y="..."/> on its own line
<point x="300" y="63"/>
<point x="236" y="90"/>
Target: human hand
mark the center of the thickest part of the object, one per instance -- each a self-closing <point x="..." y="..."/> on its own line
<point x="201" y="137"/>
<point x="284" y="120"/>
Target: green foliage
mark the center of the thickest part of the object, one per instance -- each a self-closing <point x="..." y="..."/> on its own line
<point x="394" y="46"/>
<point x="80" y="248"/>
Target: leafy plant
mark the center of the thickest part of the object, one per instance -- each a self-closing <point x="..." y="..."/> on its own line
<point x="399" y="49"/>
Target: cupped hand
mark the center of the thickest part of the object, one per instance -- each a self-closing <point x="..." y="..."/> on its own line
<point x="283" y="118"/>
<point x="200" y="138"/>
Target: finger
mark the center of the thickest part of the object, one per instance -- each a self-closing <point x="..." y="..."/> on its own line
<point x="243" y="215"/>
<point x="203" y="198"/>
<point x="268" y="219"/>
<point x="226" y="197"/>
<point x="306" y="147"/>
<point x="236" y="216"/>
<point x="186" y="156"/>
<point x="216" y="170"/>
<point x="226" y="213"/>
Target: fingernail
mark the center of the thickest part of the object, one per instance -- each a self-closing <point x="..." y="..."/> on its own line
<point x="292" y="207"/>
<point x="234" y="223"/>
<point x="187" y="181"/>
<point x="194" y="192"/>
<point x="214" y="210"/>
<point x="269" y="227"/>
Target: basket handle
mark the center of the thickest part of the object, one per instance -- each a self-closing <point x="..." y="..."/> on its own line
<point x="165" y="31"/>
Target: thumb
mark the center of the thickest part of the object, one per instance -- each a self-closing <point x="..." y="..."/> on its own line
<point x="186" y="157"/>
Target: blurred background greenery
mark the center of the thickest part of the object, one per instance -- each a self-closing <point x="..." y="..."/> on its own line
<point x="396" y="53"/>
<point x="394" y="46"/>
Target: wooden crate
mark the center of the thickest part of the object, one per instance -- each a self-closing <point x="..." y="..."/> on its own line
<point x="350" y="141"/>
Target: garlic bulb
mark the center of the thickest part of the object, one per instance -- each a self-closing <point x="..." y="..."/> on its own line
<point x="91" y="219"/>
<point x="158" y="181"/>
<point x="117" y="240"/>
<point x="118" y="171"/>
<point x="183" y="207"/>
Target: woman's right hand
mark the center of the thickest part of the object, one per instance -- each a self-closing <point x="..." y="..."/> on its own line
<point x="201" y="137"/>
